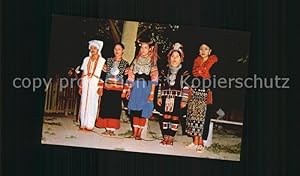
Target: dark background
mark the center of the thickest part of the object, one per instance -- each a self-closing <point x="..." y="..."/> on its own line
<point x="70" y="35"/>
<point x="69" y="45"/>
<point x="269" y="136"/>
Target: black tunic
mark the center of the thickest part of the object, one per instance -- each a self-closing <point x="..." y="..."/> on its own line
<point x="172" y="90"/>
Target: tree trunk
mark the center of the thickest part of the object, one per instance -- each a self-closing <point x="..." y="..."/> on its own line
<point x="129" y="34"/>
<point x="114" y="31"/>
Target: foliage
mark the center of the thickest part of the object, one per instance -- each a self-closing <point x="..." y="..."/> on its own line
<point x="127" y="133"/>
<point x="217" y="148"/>
<point x="112" y="29"/>
<point x="158" y="33"/>
<point x="243" y="59"/>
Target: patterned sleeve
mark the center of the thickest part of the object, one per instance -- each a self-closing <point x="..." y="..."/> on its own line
<point x="196" y="67"/>
<point x="160" y="83"/>
<point x="203" y="70"/>
<point x="186" y="91"/>
<point x="105" y="69"/>
<point x="186" y="88"/>
<point x="130" y="74"/>
<point x="125" y="73"/>
<point x="212" y="60"/>
<point x="125" y="77"/>
<point x="154" y="74"/>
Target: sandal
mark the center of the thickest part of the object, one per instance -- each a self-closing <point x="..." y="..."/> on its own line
<point x="138" y="135"/>
<point x="111" y="133"/>
<point x="200" y="149"/>
<point x="87" y="129"/>
<point x="138" y="138"/>
<point x="164" y="141"/>
<point x="170" y="141"/>
<point x="82" y="129"/>
<point x="105" y="132"/>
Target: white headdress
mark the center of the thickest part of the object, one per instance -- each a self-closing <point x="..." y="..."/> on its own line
<point x="177" y="47"/>
<point x="96" y="43"/>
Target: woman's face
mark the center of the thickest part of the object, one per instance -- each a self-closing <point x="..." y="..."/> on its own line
<point x="118" y="51"/>
<point x="93" y="50"/>
<point x="175" y="59"/>
<point x="204" y="51"/>
<point x="144" y="49"/>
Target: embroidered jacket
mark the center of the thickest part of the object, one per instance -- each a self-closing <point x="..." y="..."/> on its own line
<point x="175" y="83"/>
<point x="114" y="75"/>
<point x="143" y="68"/>
<point x="201" y="69"/>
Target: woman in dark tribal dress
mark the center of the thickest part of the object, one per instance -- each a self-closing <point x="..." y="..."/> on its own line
<point x="172" y="94"/>
<point x="113" y="85"/>
<point x="201" y="96"/>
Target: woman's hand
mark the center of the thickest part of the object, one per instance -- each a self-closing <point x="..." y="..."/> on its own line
<point x="182" y="104"/>
<point x="100" y="91"/>
<point x="151" y="97"/>
<point x="125" y="94"/>
<point x="128" y="94"/>
<point x="159" y="101"/>
<point x="104" y="68"/>
<point x="80" y="91"/>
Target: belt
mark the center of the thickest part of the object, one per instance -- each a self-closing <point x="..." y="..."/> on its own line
<point x="142" y="77"/>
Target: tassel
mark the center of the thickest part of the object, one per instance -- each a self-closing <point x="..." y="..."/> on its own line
<point x="209" y="98"/>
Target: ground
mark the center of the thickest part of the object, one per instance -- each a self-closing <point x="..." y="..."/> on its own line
<point x="65" y="131"/>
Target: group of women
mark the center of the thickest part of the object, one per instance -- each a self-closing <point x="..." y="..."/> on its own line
<point x="114" y="79"/>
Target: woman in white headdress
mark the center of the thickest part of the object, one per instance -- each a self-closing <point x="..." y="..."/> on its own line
<point x="173" y="93"/>
<point x="89" y="88"/>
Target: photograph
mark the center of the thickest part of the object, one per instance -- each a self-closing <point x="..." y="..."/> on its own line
<point x="114" y="87"/>
<point x="146" y="87"/>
